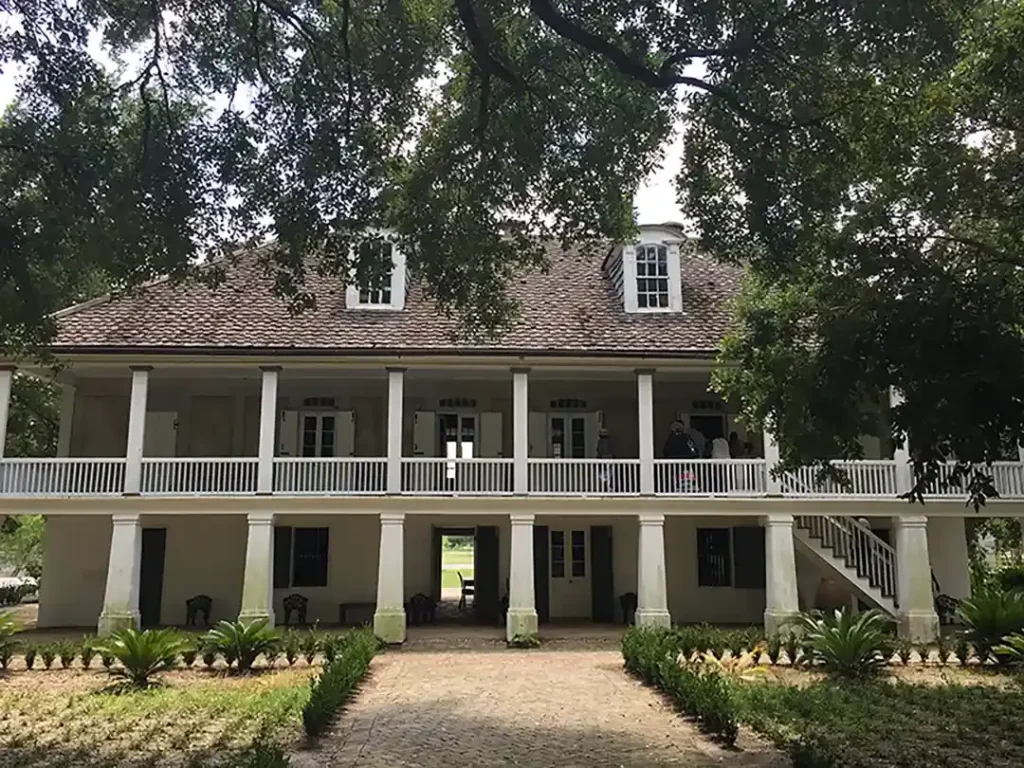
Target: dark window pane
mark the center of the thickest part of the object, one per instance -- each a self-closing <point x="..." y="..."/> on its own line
<point x="579" y="554"/>
<point x="557" y="554"/>
<point x="310" y="558"/>
<point x="641" y="300"/>
<point x="714" y="566"/>
<point x="282" y="556"/>
<point x="748" y="546"/>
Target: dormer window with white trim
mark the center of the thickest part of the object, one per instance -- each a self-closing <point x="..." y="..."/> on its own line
<point x="385" y="291"/>
<point x="651" y="277"/>
<point x="648" y="275"/>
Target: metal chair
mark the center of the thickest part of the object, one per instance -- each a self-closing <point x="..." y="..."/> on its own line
<point x="467" y="589"/>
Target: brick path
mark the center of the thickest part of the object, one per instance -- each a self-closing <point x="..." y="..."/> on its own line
<point x="486" y="706"/>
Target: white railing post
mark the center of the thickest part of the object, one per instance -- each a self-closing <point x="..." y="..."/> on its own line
<point x="772" y="483"/>
<point x="520" y="430"/>
<point x="396" y="395"/>
<point x="121" y="596"/>
<point x="6" y="379"/>
<point x="258" y="578"/>
<point x="901" y="451"/>
<point x="652" y="587"/>
<point x="389" y="617"/>
<point x="645" y="424"/>
<point x="268" y="428"/>
<point x="781" y="597"/>
<point x="136" y="429"/>
<point x="917" y="618"/>
<point x="522" y="611"/>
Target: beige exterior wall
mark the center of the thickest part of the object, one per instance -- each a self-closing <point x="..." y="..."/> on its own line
<point x="75" y="554"/>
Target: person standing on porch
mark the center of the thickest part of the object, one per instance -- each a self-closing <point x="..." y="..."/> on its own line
<point x="719" y="472"/>
<point x="605" y="450"/>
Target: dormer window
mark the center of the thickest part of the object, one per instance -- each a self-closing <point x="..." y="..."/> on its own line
<point x="652" y="277"/>
<point x="378" y="291"/>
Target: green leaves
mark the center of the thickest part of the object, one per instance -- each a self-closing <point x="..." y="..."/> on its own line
<point x="142" y="654"/>
<point x="990" y="615"/>
<point x="242" y="641"/>
<point x="845" y="644"/>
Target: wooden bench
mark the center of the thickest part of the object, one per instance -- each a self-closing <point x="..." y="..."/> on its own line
<point x="345" y="608"/>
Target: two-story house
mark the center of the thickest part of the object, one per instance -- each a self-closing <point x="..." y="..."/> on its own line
<point x="212" y="443"/>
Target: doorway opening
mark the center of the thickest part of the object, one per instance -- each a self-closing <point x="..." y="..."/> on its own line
<point x="455" y="575"/>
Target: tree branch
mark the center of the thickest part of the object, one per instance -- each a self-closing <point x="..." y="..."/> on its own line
<point x="481" y="49"/>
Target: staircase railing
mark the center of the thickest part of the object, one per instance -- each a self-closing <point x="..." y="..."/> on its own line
<point x="859" y="548"/>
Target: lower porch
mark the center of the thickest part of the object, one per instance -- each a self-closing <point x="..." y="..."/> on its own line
<point x="718" y="569"/>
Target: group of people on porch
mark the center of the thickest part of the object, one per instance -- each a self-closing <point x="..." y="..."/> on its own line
<point x="692" y="444"/>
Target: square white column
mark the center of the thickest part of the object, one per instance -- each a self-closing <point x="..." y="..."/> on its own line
<point x="651" y="583"/>
<point x="522" y="610"/>
<point x="396" y="398"/>
<point x="258" y="580"/>
<point x="121" y="597"/>
<point x="520" y="431"/>
<point x="6" y="379"/>
<point x="645" y="425"/>
<point x="136" y="429"/>
<point x="782" y="601"/>
<point x="916" y="613"/>
<point x="901" y="451"/>
<point x="772" y="484"/>
<point x="268" y="428"/>
<point x="389" y="618"/>
<point x="67" y="417"/>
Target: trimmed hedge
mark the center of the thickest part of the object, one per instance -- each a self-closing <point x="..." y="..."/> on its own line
<point x="653" y="656"/>
<point x="335" y="684"/>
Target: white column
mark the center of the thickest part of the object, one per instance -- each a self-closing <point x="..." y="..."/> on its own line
<point x="521" y="432"/>
<point x="773" y="484"/>
<point x="6" y="378"/>
<point x="67" y="417"/>
<point x="651" y="585"/>
<point x="396" y="396"/>
<point x="916" y="614"/>
<point x="389" y="619"/>
<point x="522" y="610"/>
<point x="136" y="429"/>
<point x="121" y="598"/>
<point x="781" y="595"/>
<point x="268" y="428"/>
<point x="947" y="548"/>
<point x="645" y="426"/>
<point x="258" y="581"/>
<point x="901" y="451"/>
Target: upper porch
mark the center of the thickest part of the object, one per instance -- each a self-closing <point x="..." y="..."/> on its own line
<point x="417" y="428"/>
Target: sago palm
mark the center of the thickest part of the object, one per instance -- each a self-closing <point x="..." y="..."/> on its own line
<point x="142" y="654"/>
<point x="242" y="640"/>
<point x="845" y="644"/>
<point x="990" y="615"/>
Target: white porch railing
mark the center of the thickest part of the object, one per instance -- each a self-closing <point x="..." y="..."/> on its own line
<point x="340" y="475"/>
<point x="587" y="477"/>
<point x="473" y="477"/>
<point x="61" y="477"/>
<point x="703" y="477"/>
<point x="861" y="549"/>
<point x="866" y="478"/>
<point x="199" y="476"/>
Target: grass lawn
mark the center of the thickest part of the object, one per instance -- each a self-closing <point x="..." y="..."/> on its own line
<point x="450" y="579"/>
<point x="194" y="718"/>
<point x="457" y="557"/>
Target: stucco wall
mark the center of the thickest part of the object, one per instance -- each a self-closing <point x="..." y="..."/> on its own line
<point x="75" y="554"/>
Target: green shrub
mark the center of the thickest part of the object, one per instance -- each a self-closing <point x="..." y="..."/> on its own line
<point x="142" y="654"/>
<point x="48" y="653"/>
<point x="66" y="652"/>
<point x="329" y="646"/>
<point x="6" y="653"/>
<point x="290" y="645"/>
<point x="332" y="687"/>
<point x="773" y="648"/>
<point x="191" y="651"/>
<point x="241" y="641"/>
<point x="793" y="649"/>
<point x="87" y="652"/>
<point x="106" y="660"/>
<point x="209" y="657"/>
<point x="643" y="649"/>
<point x="963" y="650"/>
<point x="1011" y="650"/>
<point x="524" y="641"/>
<point x="991" y="615"/>
<point x="310" y="645"/>
<point x="30" y="656"/>
<point x="271" y="655"/>
<point x="943" y="650"/>
<point x="904" y="649"/>
<point x="847" y="645"/>
<point x="1011" y="577"/>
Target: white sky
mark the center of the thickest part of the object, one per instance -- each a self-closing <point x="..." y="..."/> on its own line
<point x="655" y="201"/>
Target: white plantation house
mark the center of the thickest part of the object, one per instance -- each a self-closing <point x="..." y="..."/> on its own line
<point x="212" y="443"/>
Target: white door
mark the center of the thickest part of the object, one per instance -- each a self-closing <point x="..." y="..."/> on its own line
<point x="161" y="438"/>
<point x="457" y="435"/>
<point x="567" y="436"/>
<point x="318" y="434"/>
<point x="570" y="574"/>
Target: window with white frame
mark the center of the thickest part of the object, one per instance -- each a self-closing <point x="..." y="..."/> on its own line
<point x="377" y="292"/>
<point x="652" y="277"/>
